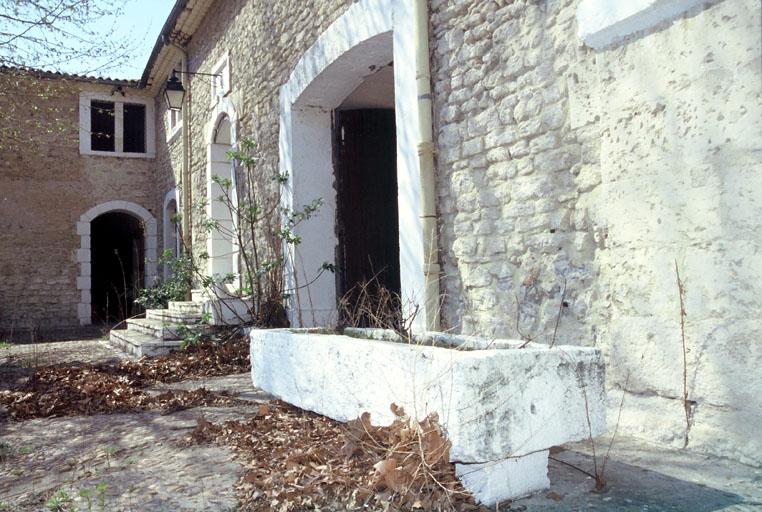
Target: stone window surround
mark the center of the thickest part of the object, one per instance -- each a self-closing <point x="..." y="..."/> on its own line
<point x="84" y="253"/>
<point x="86" y="98"/>
<point x="603" y="23"/>
<point x="369" y="35"/>
<point x="222" y="67"/>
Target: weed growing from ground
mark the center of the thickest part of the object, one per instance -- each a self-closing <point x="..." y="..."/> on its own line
<point x="61" y="501"/>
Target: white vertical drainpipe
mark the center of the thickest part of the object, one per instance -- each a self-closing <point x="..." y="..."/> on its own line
<point x="426" y="164"/>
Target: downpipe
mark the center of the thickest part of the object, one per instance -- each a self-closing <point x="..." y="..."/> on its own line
<point x="431" y="269"/>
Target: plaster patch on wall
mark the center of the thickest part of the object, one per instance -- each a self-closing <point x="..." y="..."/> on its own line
<point x="602" y="23"/>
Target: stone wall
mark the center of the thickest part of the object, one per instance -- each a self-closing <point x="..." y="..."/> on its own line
<point x="264" y="41"/>
<point x="681" y="139"/>
<point x="513" y="175"/>
<point x="45" y="186"/>
<point x="569" y="180"/>
<point x="561" y="167"/>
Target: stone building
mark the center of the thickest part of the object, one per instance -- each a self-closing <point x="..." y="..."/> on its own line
<point x="585" y="151"/>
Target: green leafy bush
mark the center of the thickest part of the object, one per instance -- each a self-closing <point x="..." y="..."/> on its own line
<point x="175" y="288"/>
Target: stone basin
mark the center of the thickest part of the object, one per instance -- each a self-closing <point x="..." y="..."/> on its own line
<point x="501" y="406"/>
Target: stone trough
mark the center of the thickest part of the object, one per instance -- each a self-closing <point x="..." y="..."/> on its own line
<point x="501" y="406"/>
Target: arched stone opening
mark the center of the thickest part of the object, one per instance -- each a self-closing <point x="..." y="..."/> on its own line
<point x="221" y="245"/>
<point x="170" y="228"/>
<point x="85" y="252"/>
<point x="369" y="36"/>
<point x="118" y="267"/>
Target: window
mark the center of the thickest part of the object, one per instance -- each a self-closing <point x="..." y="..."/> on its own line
<point x="221" y="84"/>
<point x="134" y="128"/>
<point x="112" y="126"/>
<point x="102" y="125"/>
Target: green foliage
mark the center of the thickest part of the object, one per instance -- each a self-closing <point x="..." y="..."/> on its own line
<point x="5" y="344"/>
<point x="260" y="234"/>
<point x="60" y="502"/>
<point x="189" y="336"/>
<point x="175" y="288"/>
<point x="100" y="492"/>
<point x="6" y="450"/>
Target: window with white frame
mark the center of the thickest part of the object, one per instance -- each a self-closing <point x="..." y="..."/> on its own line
<point x="113" y="125"/>
<point x="175" y="117"/>
<point x="221" y="83"/>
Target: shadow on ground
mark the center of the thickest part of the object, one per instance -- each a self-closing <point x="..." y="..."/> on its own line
<point x="652" y="479"/>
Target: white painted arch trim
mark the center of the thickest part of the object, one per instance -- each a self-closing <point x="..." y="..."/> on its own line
<point x="84" y="253"/>
<point x="370" y="34"/>
<point x="168" y="226"/>
<point x="602" y="23"/>
<point x="223" y="109"/>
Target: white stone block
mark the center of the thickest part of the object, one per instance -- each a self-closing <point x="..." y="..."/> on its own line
<point x="84" y="283"/>
<point x="85" y="269"/>
<point x="493" y="403"/>
<point x="605" y="22"/>
<point x="500" y="404"/>
<point x="84" y="314"/>
<point x="83" y="228"/>
<point x="83" y="255"/>
<point x="509" y="478"/>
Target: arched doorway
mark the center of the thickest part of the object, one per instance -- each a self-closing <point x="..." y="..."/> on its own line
<point x="221" y="243"/>
<point x="171" y="228"/>
<point x="85" y="254"/>
<point x="367" y="37"/>
<point x="118" y="267"/>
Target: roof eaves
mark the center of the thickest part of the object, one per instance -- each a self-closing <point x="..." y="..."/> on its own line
<point x="162" y="40"/>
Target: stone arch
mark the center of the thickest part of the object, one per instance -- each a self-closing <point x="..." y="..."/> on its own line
<point x="170" y="230"/>
<point x="221" y="138"/>
<point x="369" y="35"/>
<point x="84" y="257"/>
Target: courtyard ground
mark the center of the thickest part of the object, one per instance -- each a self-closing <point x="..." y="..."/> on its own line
<point x="143" y="460"/>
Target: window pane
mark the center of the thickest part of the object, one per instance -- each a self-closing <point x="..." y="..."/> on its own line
<point x="134" y="128"/>
<point x="102" y="123"/>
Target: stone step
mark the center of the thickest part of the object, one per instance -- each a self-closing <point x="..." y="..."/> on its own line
<point x="139" y="345"/>
<point x="199" y="295"/>
<point x="173" y="316"/>
<point x="155" y="328"/>
<point x="187" y="307"/>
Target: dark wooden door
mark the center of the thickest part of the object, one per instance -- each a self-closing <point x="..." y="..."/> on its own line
<point x="368" y="220"/>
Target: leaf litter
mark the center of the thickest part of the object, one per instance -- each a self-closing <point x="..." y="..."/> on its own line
<point x="293" y="459"/>
<point x="297" y="460"/>
<point x="107" y="388"/>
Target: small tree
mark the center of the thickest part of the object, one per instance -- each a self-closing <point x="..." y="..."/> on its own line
<point x="264" y="233"/>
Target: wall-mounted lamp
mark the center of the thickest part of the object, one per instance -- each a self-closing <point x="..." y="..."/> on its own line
<point x="174" y="92"/>
<point x="118" y="89"/>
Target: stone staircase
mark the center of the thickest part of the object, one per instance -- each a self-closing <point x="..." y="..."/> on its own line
<point x="160" y="331"/>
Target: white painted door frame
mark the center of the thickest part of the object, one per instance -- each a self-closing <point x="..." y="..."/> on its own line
<point x="370" y="34"/>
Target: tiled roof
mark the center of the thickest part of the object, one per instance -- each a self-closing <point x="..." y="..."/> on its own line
<point x="41" y="73"/>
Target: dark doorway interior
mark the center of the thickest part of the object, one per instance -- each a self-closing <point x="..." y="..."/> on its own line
<point x="368" y="220"/>
<point x="117" y="266"/>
